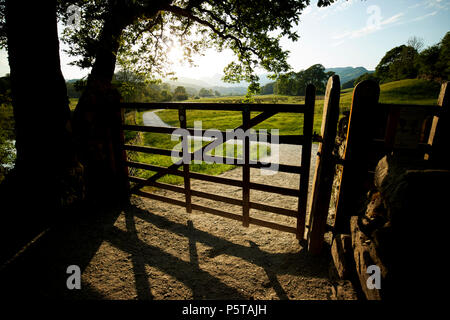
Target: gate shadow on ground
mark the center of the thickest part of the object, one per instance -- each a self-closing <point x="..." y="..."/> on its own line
<point x="203" y="284"/>
<point x="43" y="266"/>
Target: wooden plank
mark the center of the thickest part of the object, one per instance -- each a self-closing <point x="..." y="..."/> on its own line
<point x="246" y="170"/>
<point x="261" y="117"/>
<point x="282" y="139"/>
<point x="149" y="150"/>
<point x="201" y="194"/>
<point x="133" y="127"/>
<point x="325" y="168"/>
<point x="220" y="213"/>
<point x="269" y="107"/>
<point x="124" y="159"/>
<point x="216" y="197"/>
<point x="185" y="148"/>
<point x="273" y="225"/>
<point x="274" y="189"/>
<point x="157" y="176"/>
<point x="257" y="165"/>
<point x="194" y="193"/>
<point x="216" y="212"/>
<point x="156" y="184"/>
<point x="361" y="128"/>
<point x="159" y="198"/>
<point x="215" y="179"/>
<point x="295" y="139"/>
<point x="277" y="210"/>
<point x="308" y="124"/>
<point x="151" y="167"/>
<point x="428" y="109"/>
<point x="439" y="137"/>
<point x="281" y="168"/>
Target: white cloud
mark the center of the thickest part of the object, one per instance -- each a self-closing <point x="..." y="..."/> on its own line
<point x="369" y="28"/>
<point x="437" y="4"/>
<point x="392" y="19"/>
<point x="415" y="5"/>
<point x="425" y="16"/>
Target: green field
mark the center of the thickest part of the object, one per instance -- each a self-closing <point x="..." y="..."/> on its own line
<point x="163" y="141"/>
<point x="410" y="91"/>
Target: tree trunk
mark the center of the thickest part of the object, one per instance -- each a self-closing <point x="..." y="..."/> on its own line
<point x="41" y="107"/>
<point x="97" y="119"/>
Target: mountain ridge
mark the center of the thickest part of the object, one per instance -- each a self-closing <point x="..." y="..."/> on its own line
<point x="215" y="82"/>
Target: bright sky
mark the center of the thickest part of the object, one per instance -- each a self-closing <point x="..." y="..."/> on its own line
<point x="347" y="33"/>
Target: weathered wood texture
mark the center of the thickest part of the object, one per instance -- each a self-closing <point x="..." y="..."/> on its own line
<point x="266" y="107"/>
<point x="439" y="137"/>
<point x="341" y="252"/>
<point x="357" y="152"/>
<point x="246" y="170"/>
<point x="247" y="122"/>
<point x="186" y="148"/>
<point x="310" y="99"/>
<point x="325" y="167"/>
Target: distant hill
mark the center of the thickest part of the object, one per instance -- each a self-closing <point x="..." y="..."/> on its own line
<point x="348" y="73"/>
<point x="215" y="82"/>
<point x="194" y="85"/>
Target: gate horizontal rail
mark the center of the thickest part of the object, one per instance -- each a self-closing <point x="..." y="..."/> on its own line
<point x="291" y="108"/>
<point x="204" y="177"/>
<point x="268" y="110"/>
<point x="283" y="139"/>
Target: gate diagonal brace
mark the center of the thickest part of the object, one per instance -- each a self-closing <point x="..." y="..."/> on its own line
<point x="253" y="122"/>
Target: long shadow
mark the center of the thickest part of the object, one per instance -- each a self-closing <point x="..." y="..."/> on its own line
<point x="193" y="254"/>
<point x="278" y="261"/>
<point x="201" y="283"/>
<point x="73" y="240"/>
<point x="275" y="284"/>
<point x="185" y="272"/>
<point x="78" y="238"/>
<point x="140" y="276"/>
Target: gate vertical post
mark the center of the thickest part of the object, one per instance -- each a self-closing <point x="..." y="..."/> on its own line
<point x="325" y="166"/>
<point x="357" y="150"/>
<point x="439" y="137"/>
<point x="126" y="171"/>
<point x="308" y="123"/>
<point x="185" y="148"/>
<point x="246" y="168"/>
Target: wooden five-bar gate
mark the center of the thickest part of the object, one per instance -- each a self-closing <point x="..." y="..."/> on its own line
<point x="265" y="111"/>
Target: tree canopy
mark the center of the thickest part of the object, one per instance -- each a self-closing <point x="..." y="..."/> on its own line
<point x="397" y="63"/>
<point x="147" y="30"/>
<point x="406" y="61"/>
<point x="294" y="83"/>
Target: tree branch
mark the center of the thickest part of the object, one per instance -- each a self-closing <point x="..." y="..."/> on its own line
<point x="189" y="14"/>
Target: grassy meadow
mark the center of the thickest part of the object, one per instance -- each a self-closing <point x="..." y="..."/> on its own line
<point x="410" y="91"/>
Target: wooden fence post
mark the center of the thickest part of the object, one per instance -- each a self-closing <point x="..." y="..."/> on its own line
<point x="358" y="145"/>
<point x="126" y="171"/>
<point x="439" y="137"/>
<point x="308" y="123"/>
<point x="246" y="169"/>
<point x="325" y="167"/>
<point x="185" y="147"/>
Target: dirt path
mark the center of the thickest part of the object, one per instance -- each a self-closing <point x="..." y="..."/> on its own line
<point x="150" y="118"/>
